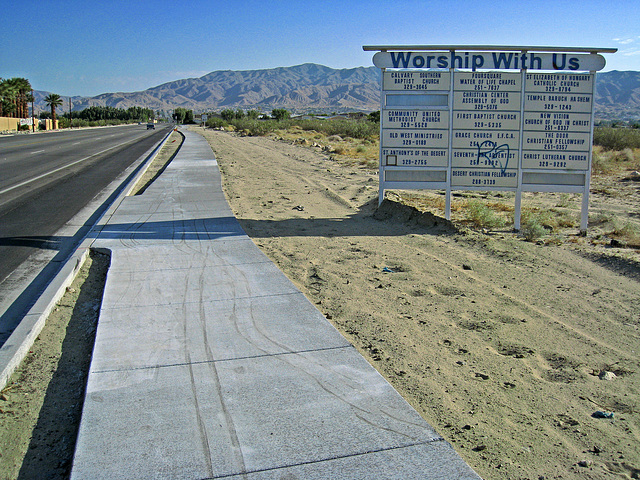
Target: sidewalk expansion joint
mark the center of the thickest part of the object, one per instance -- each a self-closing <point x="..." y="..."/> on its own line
<point x="328" y="459"/>
<point x="222" y="360"/>
<point x="199" y="302"/>
<point x="199" y="267"/>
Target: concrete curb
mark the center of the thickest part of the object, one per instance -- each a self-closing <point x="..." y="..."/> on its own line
<point x="17" y="346"/>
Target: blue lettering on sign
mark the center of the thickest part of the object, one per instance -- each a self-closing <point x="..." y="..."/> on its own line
<point x="513" y="60"/>
<point x="574" y="64"/>
<point x="475" y="61"/>
<point x="502" y="60"/>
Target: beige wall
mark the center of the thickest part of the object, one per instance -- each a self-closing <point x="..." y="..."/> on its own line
<point x="7" y="123"/>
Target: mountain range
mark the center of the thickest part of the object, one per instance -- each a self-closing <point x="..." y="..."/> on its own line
<point x="314" y="88"/>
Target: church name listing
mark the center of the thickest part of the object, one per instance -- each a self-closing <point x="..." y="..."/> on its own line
<point x="483" y="127"/>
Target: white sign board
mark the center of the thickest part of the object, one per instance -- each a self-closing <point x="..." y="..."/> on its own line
<point x="462" y="120"/>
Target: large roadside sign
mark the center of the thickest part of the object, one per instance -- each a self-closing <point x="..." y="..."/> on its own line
<point x="487" y="118"/>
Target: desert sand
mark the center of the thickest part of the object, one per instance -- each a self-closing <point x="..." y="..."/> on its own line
<point x="497" y="342"/>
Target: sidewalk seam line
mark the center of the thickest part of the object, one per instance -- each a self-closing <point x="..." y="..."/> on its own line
<point x="214" y="300"/>
<point x="329" y="459"/>
<point x="206" y="362"/>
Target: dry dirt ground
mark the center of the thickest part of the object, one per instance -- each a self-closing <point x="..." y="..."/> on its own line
<point x="40" y="407"/>
<point x="496" y="341"/>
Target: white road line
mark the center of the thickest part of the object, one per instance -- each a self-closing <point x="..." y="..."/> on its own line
<point x="27" y="182"/>
<point x="37" y="151"/>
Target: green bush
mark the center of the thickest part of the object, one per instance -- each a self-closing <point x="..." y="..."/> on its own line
<point x="362" y="129"/>
<point x="482" y="216"/>
<point x="280" y="114"/>
<point x="216" y="122"/>
<point x="611" y="138"/>
<point x="531" y="226"/>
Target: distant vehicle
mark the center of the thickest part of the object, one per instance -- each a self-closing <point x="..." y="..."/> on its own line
<point x="151" y="126"/>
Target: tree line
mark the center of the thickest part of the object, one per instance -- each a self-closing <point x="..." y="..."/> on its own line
<point x="95" y="113"/>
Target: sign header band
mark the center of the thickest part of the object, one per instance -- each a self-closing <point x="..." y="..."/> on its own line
<point x="490" y="60"/>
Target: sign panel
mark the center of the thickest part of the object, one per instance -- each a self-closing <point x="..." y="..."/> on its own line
<point x="488" y="81"/>
<point x="555" y="160"/>
<point x="556" y="140"/>
<point x="489" y="60"/>
<point x="559" y="83"/>
<point x="557" y="122"/>
<point x="498" y="157"/>
<point x="416" y="157"/>
<point x="554" y="102"/>
<point x="486" y="141"/>
<point x="415" y="138"/>
<point x="475" y="100"/>
<point x="487" y="120"/>
<point x="416" y="81"/>
<point x="423" y="119"/>
<point x="486" y="178"/>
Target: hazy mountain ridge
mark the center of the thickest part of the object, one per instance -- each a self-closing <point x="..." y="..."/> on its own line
<point x="312" y="87"/>
<point x="301" y="87"/>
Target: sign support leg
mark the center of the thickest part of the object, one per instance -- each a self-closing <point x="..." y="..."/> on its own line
<point x="584" y="214"/>
<point x="517" y="211"/>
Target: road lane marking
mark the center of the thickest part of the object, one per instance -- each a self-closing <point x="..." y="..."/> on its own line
<point x="27" y="182"/>
<point x="37" y="151"/>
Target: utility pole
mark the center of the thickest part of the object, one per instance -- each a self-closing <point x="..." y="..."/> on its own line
<point x="33" y="114"/>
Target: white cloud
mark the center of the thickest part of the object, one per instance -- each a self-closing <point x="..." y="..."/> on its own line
<point x="630" y="52"/>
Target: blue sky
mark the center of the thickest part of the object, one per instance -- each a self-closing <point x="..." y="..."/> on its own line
<point x="85" y="47"/>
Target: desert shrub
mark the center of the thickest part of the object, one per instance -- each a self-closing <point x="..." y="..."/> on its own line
<point x="609" y="161"/>
<point x="600" y="161"/>
<point x="216" y="122"/>
<point x="482" y="216"/>
<point x="361" y="129"/>
<point x="531" y="227"/>
<point x="280" y="114"/>
<point x="340" y="149"/>
<point x="628" y="233"/>
<point x="256" y="127"/>
<point x="616" y="138"/>
<point x="626" y="155"/>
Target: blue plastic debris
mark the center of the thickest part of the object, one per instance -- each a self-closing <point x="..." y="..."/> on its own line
<point x="601" y="414"/>
<point x="387" y="270"/>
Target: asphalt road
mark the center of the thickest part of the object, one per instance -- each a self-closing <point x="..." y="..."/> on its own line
<point x="46" y="179"/>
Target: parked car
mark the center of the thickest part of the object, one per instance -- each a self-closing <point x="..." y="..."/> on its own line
<point x="151" y="126"/>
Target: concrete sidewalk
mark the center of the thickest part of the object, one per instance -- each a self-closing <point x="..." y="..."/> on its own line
<point x="209" y="363"/>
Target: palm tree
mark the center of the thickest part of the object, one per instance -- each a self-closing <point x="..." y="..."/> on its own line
<point x="53" y="100"/>
<point x="6" y="97"/>
<point x="9" y="93"/>
<point x="23" y="88"/>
